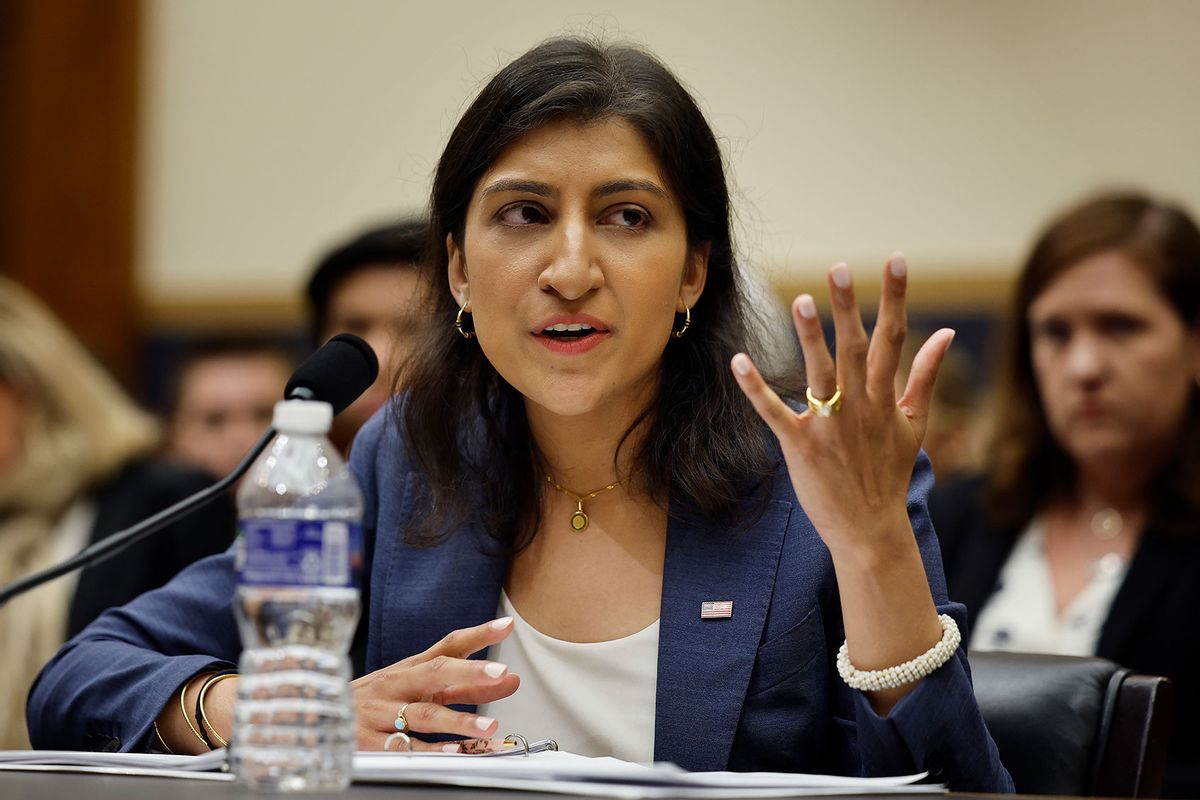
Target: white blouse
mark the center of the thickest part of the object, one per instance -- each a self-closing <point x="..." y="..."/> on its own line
<point x="1020" y="616"/>
<point x="593" y="698"/>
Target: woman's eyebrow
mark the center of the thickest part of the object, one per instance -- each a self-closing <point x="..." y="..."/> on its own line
<point x="518" y="185"/>
<point x="630" y="185"/>
<point x="545" y="190"/>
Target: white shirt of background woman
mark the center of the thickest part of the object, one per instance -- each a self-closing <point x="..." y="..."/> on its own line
<point x="1021" y="615"/>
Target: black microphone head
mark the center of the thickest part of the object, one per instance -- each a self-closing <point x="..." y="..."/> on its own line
<point x="341" y="370"/>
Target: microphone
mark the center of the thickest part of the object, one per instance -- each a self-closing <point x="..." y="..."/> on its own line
<point x="337" y="373"/>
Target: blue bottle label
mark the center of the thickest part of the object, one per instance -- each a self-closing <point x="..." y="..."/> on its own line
<point x="287" y="552"/>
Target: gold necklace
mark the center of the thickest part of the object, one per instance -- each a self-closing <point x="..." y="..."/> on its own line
<point x="579" y="519"/>
<point x="1107" y="523"/>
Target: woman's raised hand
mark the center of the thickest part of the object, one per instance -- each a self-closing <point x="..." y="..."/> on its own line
<point x="851" y="460"/>
<point x="422" y="686"/>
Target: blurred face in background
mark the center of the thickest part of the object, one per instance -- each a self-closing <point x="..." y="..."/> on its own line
<point x="380" y="304"/>
<point x="12" y="421"/>
<point x="1115" y="364"/>
<point x="225" y="404"/>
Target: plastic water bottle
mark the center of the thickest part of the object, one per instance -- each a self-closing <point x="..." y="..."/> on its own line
<point x="299" y="549"/>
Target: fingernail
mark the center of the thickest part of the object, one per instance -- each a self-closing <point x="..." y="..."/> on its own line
<point x="502" y="623"/>
<point x="483" y="723"/>
<point x="898" y="265"/>
<point x="806" y="306"/>
<point x="450" y="748"/>
<point x="841" y="275"/>
<point x="741" y="364"/>
<point x="495" y="670"/>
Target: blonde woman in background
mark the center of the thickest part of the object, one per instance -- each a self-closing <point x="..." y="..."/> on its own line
<point x="75" y="466"/>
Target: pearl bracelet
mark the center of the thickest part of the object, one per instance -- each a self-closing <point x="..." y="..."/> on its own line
<point x="910" y="671"/>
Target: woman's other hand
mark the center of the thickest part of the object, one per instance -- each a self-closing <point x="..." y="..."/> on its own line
<point x="424" y="685"/>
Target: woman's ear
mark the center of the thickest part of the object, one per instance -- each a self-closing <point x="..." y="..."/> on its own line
<point x="456" y="271"/>
<point x="695" y="271"/>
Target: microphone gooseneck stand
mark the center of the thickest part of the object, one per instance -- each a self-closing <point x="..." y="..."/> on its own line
<point x="337" y="373"/>
<point x="109" y="546"/>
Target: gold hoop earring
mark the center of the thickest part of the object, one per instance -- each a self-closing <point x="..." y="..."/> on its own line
<point x="687" y="323"/>
<point x="458" y="321"/>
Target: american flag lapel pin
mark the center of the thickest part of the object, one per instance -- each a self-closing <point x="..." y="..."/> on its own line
<point x="716" y="609"/>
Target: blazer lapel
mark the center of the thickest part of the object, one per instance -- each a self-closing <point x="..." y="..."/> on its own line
<point x="704" y="665"/>
<point x="432" y="591"/>
<point x="1148" y="577"/>
<point x="973" y="580"/>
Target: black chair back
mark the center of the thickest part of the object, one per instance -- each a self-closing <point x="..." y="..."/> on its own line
<point x="1074" y="726"/>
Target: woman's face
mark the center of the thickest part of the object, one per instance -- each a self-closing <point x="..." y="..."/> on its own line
<point x="12" y="422"/>
<point x="1115" y="364"/>
<point x="575" y="261"/>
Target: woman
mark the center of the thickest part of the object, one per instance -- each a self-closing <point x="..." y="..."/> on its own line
<point x="579" y="453"/>
<point x="1085" y="537"/>
<point x="74" y="468"/>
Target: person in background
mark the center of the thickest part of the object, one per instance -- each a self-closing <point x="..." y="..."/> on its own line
<point x="370" y="286"/>
<point x="1083" y="535"/>
<point x="587" y="348"/>
<point x="75" y="466"/>
<point x="220" y="400"/>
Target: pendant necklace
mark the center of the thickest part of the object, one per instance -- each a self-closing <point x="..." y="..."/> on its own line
<point x="579" y="519"/>
<point x="1107" y="524"/>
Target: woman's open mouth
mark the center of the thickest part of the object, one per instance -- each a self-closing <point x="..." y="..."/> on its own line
<point x="570" y="338"/>
<point x="568" y="333"/>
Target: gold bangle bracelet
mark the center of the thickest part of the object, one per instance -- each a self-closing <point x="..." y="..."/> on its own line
<point x="183" y="707"/>
<point x="202" y="718"/>
<point x="158" y="735"/>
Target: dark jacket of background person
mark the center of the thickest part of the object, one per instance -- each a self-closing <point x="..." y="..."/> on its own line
<point x="77" y="466"/>
<point x="1153" y="625"/>
<point x="142" y="488"/>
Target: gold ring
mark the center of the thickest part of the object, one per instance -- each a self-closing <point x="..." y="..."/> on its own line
<point x="824" y="408"/>
<point x="401" y="720"/>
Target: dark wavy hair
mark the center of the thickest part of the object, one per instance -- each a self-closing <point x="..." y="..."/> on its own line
<point x="1026" y="466"/>
<point x="704" y="446"/>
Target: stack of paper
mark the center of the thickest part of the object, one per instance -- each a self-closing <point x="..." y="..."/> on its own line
<point x="553" y="772"/>
<point x="208" y="766"/>
<point x="567" y="773"/>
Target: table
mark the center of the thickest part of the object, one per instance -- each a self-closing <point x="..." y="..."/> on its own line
<point x="59" y="785"/>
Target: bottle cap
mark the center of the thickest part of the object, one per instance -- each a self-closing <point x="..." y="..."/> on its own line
<point x="302" y="416"/>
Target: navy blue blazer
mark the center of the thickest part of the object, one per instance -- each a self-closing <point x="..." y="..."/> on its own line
<point x="757" y="691"/>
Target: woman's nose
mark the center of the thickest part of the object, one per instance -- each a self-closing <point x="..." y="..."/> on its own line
<point x="1085" y="358"/>
<point x="572" y="268"/>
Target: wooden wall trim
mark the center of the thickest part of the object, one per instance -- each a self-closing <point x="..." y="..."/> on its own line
<point x="979" y="291"/>
<point x="235" y="314"/>
<point x="69" y="89"/>
<point x="217" y="315"/>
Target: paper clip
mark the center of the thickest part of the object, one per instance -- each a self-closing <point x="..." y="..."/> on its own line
<point x="514" y="739"/>
<point x="398" y="736"/>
